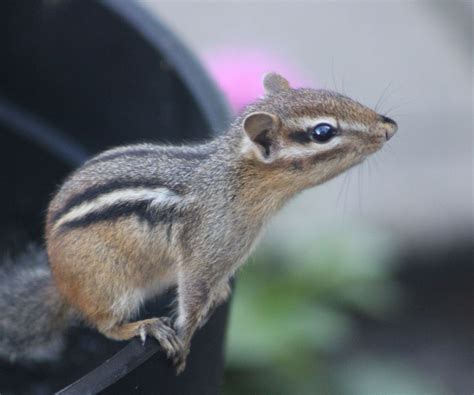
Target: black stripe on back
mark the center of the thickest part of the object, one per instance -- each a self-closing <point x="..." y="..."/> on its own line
<point x="93" y="192"/>
<point x="171" y="152"/>
<point x="141" y="209"/>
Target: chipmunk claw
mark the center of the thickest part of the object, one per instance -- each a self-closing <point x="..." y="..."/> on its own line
<point x="162" y="331"/>
<point x="179" y="362"/>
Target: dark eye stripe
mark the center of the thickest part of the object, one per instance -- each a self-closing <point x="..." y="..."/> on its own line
<point x="300" y="137"/>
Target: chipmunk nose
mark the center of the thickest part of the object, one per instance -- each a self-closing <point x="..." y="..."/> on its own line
<point x="390" y="126"/>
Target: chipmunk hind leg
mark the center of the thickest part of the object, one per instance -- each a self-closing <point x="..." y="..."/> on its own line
<point x="158" y="328"/>
<point x="115" y="322"/>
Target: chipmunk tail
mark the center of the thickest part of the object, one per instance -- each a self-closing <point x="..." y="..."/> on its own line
<point x="33" y="316"/>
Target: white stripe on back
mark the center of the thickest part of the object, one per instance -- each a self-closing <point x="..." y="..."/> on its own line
<point x="155" y="196"/>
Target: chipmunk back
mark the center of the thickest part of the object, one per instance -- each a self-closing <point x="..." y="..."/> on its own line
<point x="137" y="220"/>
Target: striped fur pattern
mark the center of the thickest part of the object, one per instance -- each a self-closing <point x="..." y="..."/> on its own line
<point x="136" y="220"/>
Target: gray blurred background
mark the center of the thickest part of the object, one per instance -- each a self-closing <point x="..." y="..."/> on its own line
<point x="410" y="205"/>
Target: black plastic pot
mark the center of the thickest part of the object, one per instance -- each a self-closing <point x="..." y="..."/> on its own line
<point x="76" y="77"/>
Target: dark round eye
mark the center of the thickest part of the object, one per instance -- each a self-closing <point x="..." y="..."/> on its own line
<point x="323" y="132"/>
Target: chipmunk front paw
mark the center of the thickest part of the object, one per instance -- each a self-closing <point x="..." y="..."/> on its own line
<point x="161" y="329"/>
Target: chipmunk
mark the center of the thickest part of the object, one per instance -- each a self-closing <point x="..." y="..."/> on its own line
<point x="136" y="220"/>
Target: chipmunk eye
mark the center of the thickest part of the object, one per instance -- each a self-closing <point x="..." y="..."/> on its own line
<point x="323" y="132"/>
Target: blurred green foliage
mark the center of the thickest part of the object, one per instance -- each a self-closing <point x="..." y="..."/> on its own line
<point x="293" y="308"/>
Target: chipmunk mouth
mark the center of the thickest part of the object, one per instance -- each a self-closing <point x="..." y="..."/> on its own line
<point x="390" y="133"/>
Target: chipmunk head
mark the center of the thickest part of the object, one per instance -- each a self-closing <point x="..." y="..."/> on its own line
<point x="311" y="135"/>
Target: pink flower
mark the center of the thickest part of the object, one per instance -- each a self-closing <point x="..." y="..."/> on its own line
<point x="239" y="73"/>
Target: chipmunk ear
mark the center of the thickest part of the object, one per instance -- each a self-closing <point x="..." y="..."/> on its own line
<point x="273" y="83"/>
<point x="258" y="127"/>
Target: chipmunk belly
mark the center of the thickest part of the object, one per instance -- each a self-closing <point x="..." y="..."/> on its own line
<point x="107" y="269"/>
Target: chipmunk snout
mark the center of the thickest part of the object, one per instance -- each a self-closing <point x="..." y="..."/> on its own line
<point x="390" y="127"/>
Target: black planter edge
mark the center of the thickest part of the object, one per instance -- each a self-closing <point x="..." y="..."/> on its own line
<point x="111" y="370"/>
<point x="36" y="129"/>
<point x="203" y="89"/>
